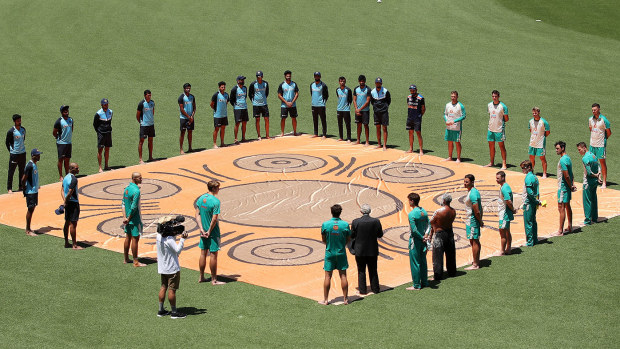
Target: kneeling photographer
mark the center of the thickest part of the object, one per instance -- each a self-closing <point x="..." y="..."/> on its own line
<point x="168" y="251"/>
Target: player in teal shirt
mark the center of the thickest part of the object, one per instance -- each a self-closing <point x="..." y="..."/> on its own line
<point x="591" y="175"/>
<point x="361" y="102"/>
<point x="565" y="187"/>
<point x="505" y="213"/>
<point x="258" y="93"/>
<point x="530" y="203"/>
<point x="473" y="204"/>
<point x="187" y="109"/>
<point x="207" y="213"/>
<point x="132" y="219"/>
<point x="238" y="99"/>
<point x="63" y="132"/>
<point x="418" y="223"/>
<point x="219" y="104"/>
<point x="336" y="234"/>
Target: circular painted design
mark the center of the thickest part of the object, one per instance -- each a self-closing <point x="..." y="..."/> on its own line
<point x="282" y="163"/>
<point x="408" y="172"/>
<point x="114" y="226"/>
<point x="113" y="189"/>
<point x="399" y="237"/>
<point x="279" y="251"/>
<point x="300" y="203"/>
<point x="490" y="200"/>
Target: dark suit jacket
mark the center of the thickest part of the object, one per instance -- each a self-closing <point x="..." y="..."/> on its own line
<point x="366" y="230"/>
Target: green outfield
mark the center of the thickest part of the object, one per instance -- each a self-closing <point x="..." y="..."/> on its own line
<point x="69" y="52"/>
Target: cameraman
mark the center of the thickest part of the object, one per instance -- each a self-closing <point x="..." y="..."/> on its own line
<point x="168" y="251"/>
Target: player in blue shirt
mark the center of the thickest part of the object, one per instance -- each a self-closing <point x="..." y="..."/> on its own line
<point x="319" y="94"/>
<point x="288" y="93"/>
<point x="69" y="193"/>
<point x="259" y="91"/>
<point x="146" y="117"/>
<point x="63" y="133"/>
<point x="102" y="123"/>
<point x="219" y="104"/>
<point x="187" y="107"/>
<point x="238" y="96"/>
<point x="361" y="102"/>
<point x="30" y="182"/>
<point x="15" y="138"/>
<point x="343" y="111"/>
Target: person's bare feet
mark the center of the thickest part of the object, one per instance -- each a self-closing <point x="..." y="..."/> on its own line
<point x="557" y="233"/>
<point x="30" y="233"/>
<point x="503" y="167"/>
<point x="345" y="301"/>
<point x="282" y="134"/>
<point x="217" y="283"/>
<point x="544" y="176"/>
<point x="409" y="151"/>
<point x="384" y="148"/>
<point x="138" y="265"/>
<point x="379" y="146"/>
<point x="357" y="142"/>
<point x="258" y="139"/>
<point x="498" y="253"/>
<point x="76" y="247"/>
<point x="321" y="137"/>
<point x="348" y="141"/>
<point x="490" y="164"/>
<point x="127" y="261"/>
<point x="458" y="161"/>
<point x="100" y="170"/>
<point x="202" y="279"/>
<point x="182" y="152"/>
<point x="421" y="152"/>
<point x="411" y="288"/>
<point x="473" y="267"/>
<point x="604" y="186"/>
<point x="447" y="159"/>
<point x="339" y="139"/>
<point x="215" y="146"/>
<point x="236" y="141"/>
<point x="366" y="144"/>
<point x="325" y="302"/>
<point x="141" y="162"/>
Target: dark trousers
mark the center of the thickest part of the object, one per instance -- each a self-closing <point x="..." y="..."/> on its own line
<point x="16" y="161"/>
<point x="316" y="112"/>
<point x="346" y="116"/>
<point x="371" y="263"/>
<point x="444" y="243"/>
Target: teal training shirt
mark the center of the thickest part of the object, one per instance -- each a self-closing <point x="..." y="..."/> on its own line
<point x="361" y="95"/>
<point x="288" y="92"/>
<point x="208" y="205"/>
<point x="418" y="223"/>
<point x="336" y="232"/>
<point x="188" y="104"/>
<point x="65" y="130"/>
<point x="221" y="104"/>
<point x="344" y="99"/>
<point x="19" y="137"/>
<point x="147" y="112"/>
<point x="131" y="202"/>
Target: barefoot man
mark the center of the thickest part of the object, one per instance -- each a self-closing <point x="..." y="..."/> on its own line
<point x="473" y="221"/>
<point x="133" y="219"/>
<point x="454" y="115"/>
<point x="441" y="227"/>
<point x="30" y="182"/>
<point x="69" y="193"/>
<point x="506" y="213"/>
<point x="565" y="188"/>
<point x="207" y="213"/>
<point x="336" y="235"/>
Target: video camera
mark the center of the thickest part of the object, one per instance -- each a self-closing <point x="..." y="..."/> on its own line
<point x="168" y="226"/>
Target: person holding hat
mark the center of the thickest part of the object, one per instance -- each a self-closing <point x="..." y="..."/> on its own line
<point x="187" y="108"/>
<point x="238" y="96"/>
<point x="319" y="94"/>
<point x="103" y="126"/>
<point x="63" y="132"/>
<point x="259" y="91"/>
<point x="30" y="182"/>
<point x="15" y="138"/>
<point x="288" y="93"/>
<point x="219" y="104"/>
<point x="415" y="110"/>
<point x="381" y="99"/>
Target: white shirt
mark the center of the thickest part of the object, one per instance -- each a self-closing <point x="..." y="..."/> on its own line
<point x="168" y="252"/>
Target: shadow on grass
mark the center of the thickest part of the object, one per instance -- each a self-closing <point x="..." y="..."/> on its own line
<point x="190" y="311"/>
<point x="434" y="284"/>
<point x="147" y="261"/>
<point x="156" y="159"/>
<point x="196" y="150"/>
<point x="115" y="167"/>
<point x="46" y="230"/>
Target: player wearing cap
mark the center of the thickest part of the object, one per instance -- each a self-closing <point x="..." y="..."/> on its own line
<point x="539" y="131"/>
<point x="453" y="115"/>
<point x="30" y="182"/>
<point x="498" y="116"/>
<point x="361" y="102"/>
<point x="146" y="117"/>
<point x="530" y="203"/>
<point x="415" y="110"/>
<point x="343" y="110"/>
<point x="473" y="220"/>
<point x="259" y="91"/>
<point x="505" y="213"/>
<point x="63" y="132"/>
<point x="238" y="96"/>
<point x="566" y="186"/>
<point x="219" y="104"/>
<point x="319" y="94"/>
<point x="600" y="131"/>
<point x="187" y="107"/>
<point x="69" y="193"/>
<point x="381" y="99"/>
<point x="288" y="93"/>
<point x="102" y="123"/>
<point x="591" y="173"/>
<point x="15" y="138"/>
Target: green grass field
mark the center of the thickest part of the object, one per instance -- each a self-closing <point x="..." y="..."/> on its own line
<point x="69" y="52"/>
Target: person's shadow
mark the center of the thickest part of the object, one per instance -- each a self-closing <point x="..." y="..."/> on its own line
<point x="190" y="311"/>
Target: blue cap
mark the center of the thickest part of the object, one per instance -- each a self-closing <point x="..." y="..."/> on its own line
<point x="259" y="73"/>
<point x="317" y="73"/>
<point x="240" y="77"/>
<point x="63" y="107"/>
<point x="379" y="80"/>
<point x="104" y="101"/>
<point x="35" y="151"/>
<point x="60" y="210"/>
<point x="413" y="87"/>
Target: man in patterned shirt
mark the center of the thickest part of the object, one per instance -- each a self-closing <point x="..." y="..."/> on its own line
<point x="539" y="131"/>
<point x="498" y="116"/>
<point x="565" y="188"/>
<point x="599" y="133"/>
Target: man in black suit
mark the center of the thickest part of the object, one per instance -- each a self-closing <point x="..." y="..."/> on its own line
<point x="365" y="231"/>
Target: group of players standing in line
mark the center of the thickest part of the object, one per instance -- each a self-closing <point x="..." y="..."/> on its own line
<point x="595" y="170"/>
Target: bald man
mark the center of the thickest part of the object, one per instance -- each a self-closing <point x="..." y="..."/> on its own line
<point x="69" y="193"/>
<point x="441" y="227"/>
<point x="132" y="219"/>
